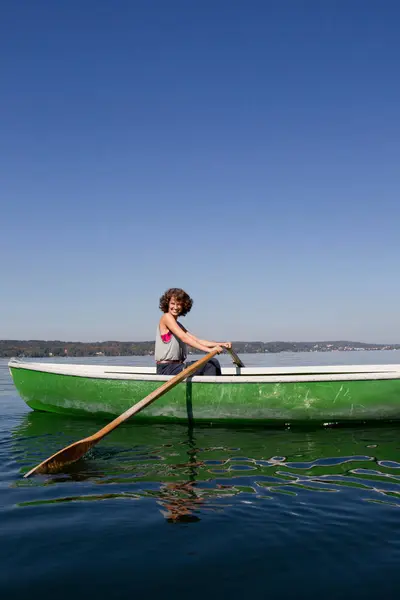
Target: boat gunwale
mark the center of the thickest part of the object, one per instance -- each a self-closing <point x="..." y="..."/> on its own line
<point x="239" y="378"/>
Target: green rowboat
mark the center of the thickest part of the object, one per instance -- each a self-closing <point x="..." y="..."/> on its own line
<point x="279" y="396"/>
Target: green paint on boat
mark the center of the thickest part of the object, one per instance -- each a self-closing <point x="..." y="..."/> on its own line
<point x="233" y="401"/>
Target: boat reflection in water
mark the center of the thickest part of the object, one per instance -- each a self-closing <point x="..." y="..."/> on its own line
<point x="188" y="472"/>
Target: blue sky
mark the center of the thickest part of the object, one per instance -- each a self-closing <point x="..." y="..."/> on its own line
<point x="245" y="151"/>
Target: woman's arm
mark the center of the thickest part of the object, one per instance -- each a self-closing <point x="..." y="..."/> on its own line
<point x="208" y="343"/>
<point x="170" y="323"/>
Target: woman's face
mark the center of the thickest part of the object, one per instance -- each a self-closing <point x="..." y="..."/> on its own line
<point x="174" y="307"/>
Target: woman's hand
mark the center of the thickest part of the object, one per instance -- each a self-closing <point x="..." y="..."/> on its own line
<point x="225" y="344"/>
<point x="218" y="348"/>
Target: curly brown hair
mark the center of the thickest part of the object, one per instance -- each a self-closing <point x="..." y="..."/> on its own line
<point x="179" y="295"/>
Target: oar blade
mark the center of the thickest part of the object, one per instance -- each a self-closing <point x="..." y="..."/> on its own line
<point x="63" y="457"/>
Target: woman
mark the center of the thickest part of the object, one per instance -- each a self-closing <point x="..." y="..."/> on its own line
<point x="172" y="338"/>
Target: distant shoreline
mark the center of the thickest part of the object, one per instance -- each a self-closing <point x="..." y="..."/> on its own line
<point x="50" y="348"/>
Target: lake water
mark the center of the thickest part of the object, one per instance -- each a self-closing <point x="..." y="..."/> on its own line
<point x="165" y="511"/>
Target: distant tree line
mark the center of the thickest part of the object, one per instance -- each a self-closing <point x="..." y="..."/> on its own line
<point x="41" y="348"/>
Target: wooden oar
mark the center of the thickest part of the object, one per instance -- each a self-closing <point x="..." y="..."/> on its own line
<point x="76" y="450"/>
<point x="235" y="357"/>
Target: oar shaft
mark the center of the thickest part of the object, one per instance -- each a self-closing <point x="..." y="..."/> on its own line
<point x="168" y="385"/>
<point x="75" y="451"/>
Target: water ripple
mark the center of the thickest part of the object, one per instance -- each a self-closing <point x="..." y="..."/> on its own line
<point x="190" y="472"/>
